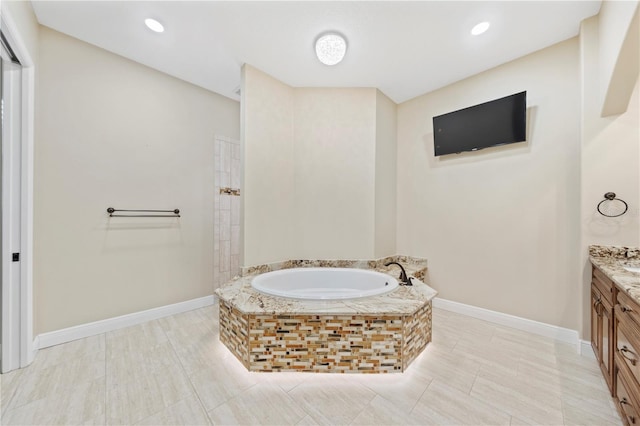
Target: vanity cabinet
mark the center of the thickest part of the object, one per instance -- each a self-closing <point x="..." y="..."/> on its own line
<point x="615" y="337"/>
<point x="627" y="358"/>
<point x="603" y="292"/>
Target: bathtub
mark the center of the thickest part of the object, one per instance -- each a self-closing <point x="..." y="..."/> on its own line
<point x="324" y="283"/>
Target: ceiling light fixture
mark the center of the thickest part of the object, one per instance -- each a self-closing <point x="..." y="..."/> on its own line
<point x="331" y="48"/>
<point x="480" y="28"/>
<point x="154" y="25"/>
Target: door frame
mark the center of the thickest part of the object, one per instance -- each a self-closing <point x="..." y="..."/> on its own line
<point x="28" y="347"/>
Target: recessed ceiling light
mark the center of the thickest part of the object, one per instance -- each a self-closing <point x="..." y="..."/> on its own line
<point x="331" y="48"/>
<point x="154" y="25"/>
<point x="480" y="28"/>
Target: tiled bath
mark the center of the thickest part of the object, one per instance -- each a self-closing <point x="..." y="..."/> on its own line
<point x="380" y="334"/>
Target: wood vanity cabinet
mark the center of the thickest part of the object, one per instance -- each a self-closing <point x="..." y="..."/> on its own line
<point x="615" y="337"/>
<point x="627" y="358"/>
<point x="602" y="341"/>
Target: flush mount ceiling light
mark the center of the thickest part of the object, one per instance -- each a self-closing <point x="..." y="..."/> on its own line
<point x="331" y="48"/>
<point x="480" y="28"/>
<point x="154" y="25"/>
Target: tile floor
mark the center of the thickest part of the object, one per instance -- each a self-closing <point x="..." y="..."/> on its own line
<point x="175" y="371"/>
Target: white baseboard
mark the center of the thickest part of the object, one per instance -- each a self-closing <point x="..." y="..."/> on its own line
<point x="558" y="333"/>
<point x="34" y="350"/>
<point x="98" y="327"/>
<point x="586" y="349"/>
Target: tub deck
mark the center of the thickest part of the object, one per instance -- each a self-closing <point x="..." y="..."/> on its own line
<point x="379" y="334"/>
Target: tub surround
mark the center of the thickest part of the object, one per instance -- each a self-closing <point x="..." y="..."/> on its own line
<point x="611" y="261"/>
<point x="415" y="266"/>
<point x="403" y="300"/>
<point x="378" y="334"/>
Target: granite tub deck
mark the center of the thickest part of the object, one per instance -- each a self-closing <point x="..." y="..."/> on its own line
<point x="379" y="334"/>
<point x="612" y="260"/>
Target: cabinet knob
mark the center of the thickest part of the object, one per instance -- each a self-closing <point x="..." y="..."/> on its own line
<point x="624" y="350"/>
<point x="598" y="306"/>
<point x="626" y="309"/>
<point x="624" y="401"/>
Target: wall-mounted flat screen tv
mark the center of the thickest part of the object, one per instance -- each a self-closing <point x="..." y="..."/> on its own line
<point x="498" y="122"/>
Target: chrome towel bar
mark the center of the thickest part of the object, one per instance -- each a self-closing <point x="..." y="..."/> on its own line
<point x="111" y="211"/>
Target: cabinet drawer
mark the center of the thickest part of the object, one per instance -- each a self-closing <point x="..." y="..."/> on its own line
<point x="628" y="311"/>
<point x="626" y="405"/>
<point x="604" y="284"/>
<point x="627" y="350"/>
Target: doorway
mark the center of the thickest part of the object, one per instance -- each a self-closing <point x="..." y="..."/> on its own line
<point x="11" y="205"/>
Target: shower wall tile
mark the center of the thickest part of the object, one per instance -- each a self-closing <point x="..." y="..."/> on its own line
<point x="225" y="157"/>
<point x="235" y="263"/>
<point x="235" y="240"/>
<point x="225" y="225"/>
<point x="226" y="262"/>
<point x="225" y="180"/>
<point x="235" y="212"/>
<point x="235" y="150"/>
<point x="235" y="173"/>
<point x="225" y="256"/>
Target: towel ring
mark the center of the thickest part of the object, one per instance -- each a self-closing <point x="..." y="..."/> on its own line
<point x="612" y="206"/>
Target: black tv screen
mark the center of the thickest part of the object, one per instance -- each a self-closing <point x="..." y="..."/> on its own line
<point x="492" y="123"/>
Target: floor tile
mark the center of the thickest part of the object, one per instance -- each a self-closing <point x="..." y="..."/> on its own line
<point x="81" y="404"/>
<point x="131" y="365"/>
<point x="59" y="354"/>
<point x="186" y="320"/>
<point x="217" y="384"/>
<point x="42" y="383"/>
<point x="136" y="338"/>
<point x="457" y="370"/>
<point x="307" y="421"/>
<point x="133" y="401"/>
<point x="517" y="401"/>
<point x="381" y="411"/>
<point x="185" y="412"/>
<point x="260" y="404"/>
<point x="584" y="414"/>
<point x="198" y="347"/>
<point x="443" y="404"/>
<point x="176" y="371"/>
<point x="332" y="400"/>
<point x="401" y="390"/>
<point x="286" y="381"/>
<point x="9" y="383"/>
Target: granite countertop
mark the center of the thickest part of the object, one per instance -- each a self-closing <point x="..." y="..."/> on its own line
<point x="611" y="261"/>
<point x="404" y="300"/>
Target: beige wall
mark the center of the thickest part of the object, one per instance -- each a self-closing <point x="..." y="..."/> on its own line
<point x="610" y="161"/>
<point x="499" y="225"/>
<point x="334" y="144"/>
<point x="386" y="174"/>
<point x="618" y="58"/>
<point x="111" y="132"/>
<point x="268" y="186"/>
<point x="319" y="173"/>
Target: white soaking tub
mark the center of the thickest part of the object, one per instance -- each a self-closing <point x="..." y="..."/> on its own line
<point x="324" y="283"/>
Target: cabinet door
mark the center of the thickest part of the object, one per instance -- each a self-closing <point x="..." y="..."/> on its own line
<point x="627" y="406"/>
<point x="602" y="333"/>
<point x="596" y="322"/>
<point x="606" y="341"/>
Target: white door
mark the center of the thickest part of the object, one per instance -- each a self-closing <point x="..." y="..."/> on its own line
<point x="10" y="211"/>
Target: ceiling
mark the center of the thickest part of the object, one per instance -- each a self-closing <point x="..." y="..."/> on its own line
<point x="404" y="49"/>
